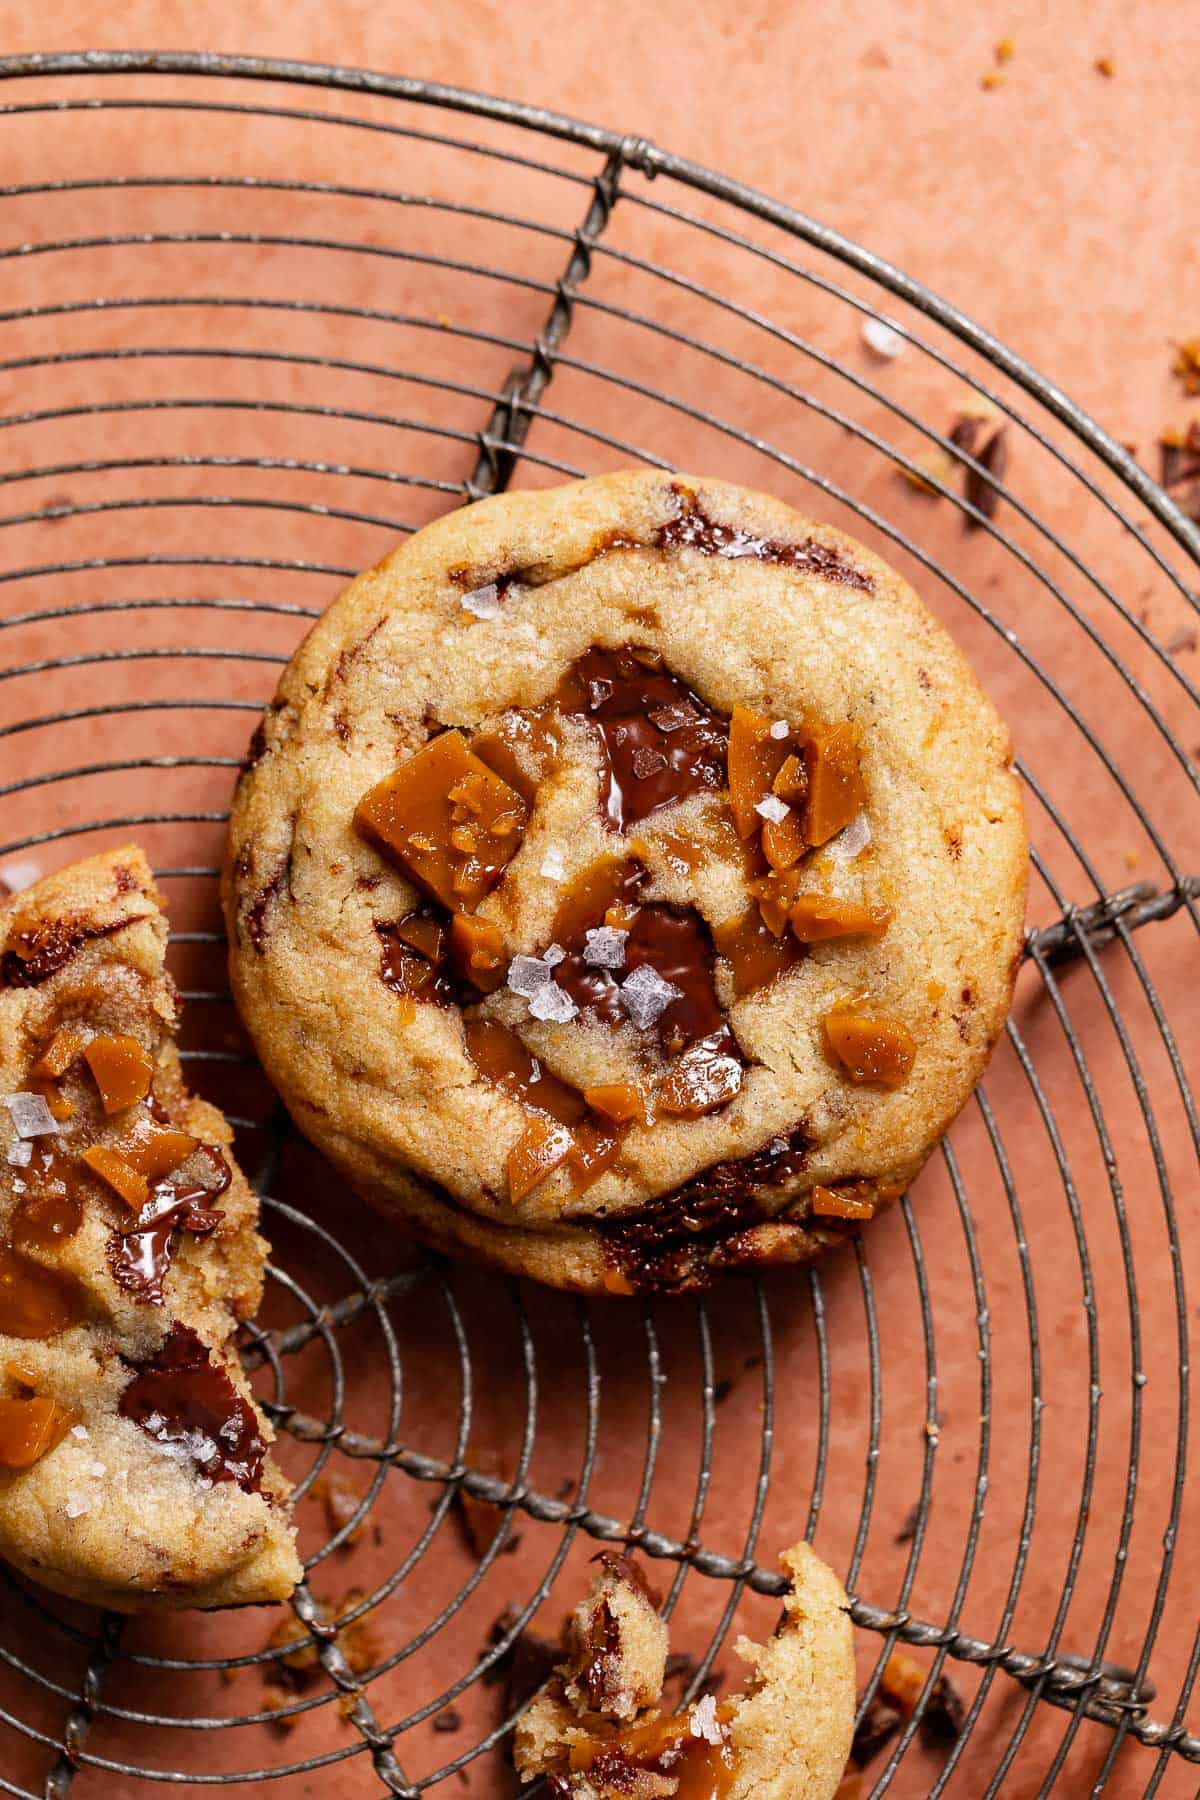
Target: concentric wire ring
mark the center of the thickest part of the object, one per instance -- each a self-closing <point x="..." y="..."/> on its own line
<point x="215" y="373"/>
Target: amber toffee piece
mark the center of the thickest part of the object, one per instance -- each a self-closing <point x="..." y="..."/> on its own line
<point x="135" y="1467"/>
<point x="571" y="831"/>
<point x="597" y="1731"/>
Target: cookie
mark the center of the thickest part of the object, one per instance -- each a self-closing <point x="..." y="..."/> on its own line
<point x="135" y="1468"/>
<point x="627" y="883"/>
<point x="597" y="1731"/>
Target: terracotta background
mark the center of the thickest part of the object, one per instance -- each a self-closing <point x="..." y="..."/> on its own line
<point x="1058" y="210"/>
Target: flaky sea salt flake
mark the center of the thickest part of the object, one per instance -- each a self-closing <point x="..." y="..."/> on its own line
<point x="19" y="1153"/>
<point x="77" y="1505"/>
<point x="646" y="996"/>
<point x="31" y="1116"/>
<point x="773" y="808"/>
<point x="553" y="954"/>
<point x="80" y="1432"/>
<point x="19" y="875"/>
<point x="704" y="1723"/>
<point x="526" y="974"/>
<point x="853" y="841"/>
<point x="780" y="729"/>
<point x="553" y="865"/>
<point x="483" y="602"/>
<point x="552" y="1003"/>
<point x="604" y="947"/>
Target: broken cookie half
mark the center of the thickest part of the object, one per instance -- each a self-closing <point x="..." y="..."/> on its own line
<point x="597" y="1732"/>
<point x="135" y="1469"/>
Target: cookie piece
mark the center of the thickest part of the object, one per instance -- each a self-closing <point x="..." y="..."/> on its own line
<point x="135" y="1469"/>
<point x="627" y="883"/>
<point x="786" y="1737"/>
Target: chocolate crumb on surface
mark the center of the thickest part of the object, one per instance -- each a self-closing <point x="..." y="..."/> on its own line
<point x="1179" y="468"/>
<point x="878" y="1726"/>
<point x="945" y="1713"/>
<point x="981" y="432"/>
<point x="908" y="1530"/>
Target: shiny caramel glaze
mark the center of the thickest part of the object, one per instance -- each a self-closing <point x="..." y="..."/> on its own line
<point x="30" y="1427"/>
<point x="122" y="1069"/>
<point x="563" y="1129"/>
<point x="446" y="820"/>
<point x="868" y="1048"/>
<point x="756" y="956"/>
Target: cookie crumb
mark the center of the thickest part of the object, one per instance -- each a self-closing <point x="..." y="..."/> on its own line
<point x="1105" y="66"/>
<point x="1004" y="51"/>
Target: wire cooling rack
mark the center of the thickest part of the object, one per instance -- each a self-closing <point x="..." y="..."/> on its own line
<point x="261" y="318"/>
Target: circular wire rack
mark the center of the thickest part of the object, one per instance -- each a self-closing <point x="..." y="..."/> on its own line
<point x="261" y="318"/>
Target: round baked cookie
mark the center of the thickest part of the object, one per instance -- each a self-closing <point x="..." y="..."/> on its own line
<point x="627" y="883"/>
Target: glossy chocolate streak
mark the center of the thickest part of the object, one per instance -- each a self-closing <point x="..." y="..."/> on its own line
<point x="42" y="950"/>
<point x="256" y="912"/>
<point x="693" y="529"/>
<point x="404" y="969"/>
<point x="675" y="942"/>
<point x="139" y="1258"/>
<point x="663" y="1246"/>
<point x="186" y="1402"/>
<point x="660" y="741"/>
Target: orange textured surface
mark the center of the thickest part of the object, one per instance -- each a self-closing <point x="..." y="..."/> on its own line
<point x="1056" y="208"/>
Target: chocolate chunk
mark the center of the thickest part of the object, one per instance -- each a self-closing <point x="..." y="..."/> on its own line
<point x="693" y="529"/>
<point x="186" y="1402"/>
<point x="983" y="434"/>
<point x="42" y="950"/>
<point x="878" y="1726"/>
<point x="669" y="1243"/>
<point x="645" y="766"/>
<point x="407" y="969"/>
<point x="140" y="1257"/>
<point x="672" y="941"/>
<point x="945" y="1714"/>
<point x="256" y="912"/>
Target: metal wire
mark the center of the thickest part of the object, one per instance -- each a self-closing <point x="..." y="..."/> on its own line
<point x="308" y="369"/>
